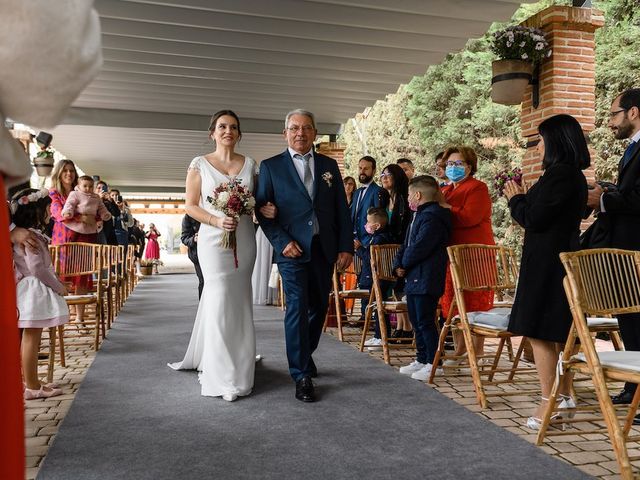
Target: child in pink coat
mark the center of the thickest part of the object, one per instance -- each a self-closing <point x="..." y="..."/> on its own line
<point x="86" y="204"/>
<point x="40" y="293"/>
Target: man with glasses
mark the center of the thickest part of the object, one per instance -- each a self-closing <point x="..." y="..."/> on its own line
<point x="311" y="232"/>
<point x="619" y="209"/>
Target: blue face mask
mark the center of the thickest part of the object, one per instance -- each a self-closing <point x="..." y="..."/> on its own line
<point x="455" y="173"/>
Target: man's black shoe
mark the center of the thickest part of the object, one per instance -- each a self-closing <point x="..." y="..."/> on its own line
<point x="623" y="398"/>
<point x="304" y="390"/>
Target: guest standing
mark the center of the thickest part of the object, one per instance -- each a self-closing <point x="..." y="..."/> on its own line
<point x="470" y="205"/>
<point x="407" y="166"/>
<point x="619" y="209"/>
<point x="349" y="189"/>
<point x="550" y="212"/>
<point x="64" y="179"/>
<point x="189" y="237"/>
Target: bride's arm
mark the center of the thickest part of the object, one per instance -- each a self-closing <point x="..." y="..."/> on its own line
<point x="192" y="201"/>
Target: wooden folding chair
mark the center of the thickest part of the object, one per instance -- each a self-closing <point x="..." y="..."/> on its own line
<point x="72" y="259"/>
<point x="130" y="277"/>
<point x="107" y="278"/>
<point x="600" y="283"/>
<point x="339" y="295"/>
<point x="475" y="268"/>
<point x="382" y="257"/>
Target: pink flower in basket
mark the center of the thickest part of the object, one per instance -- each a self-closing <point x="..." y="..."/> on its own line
<point x="234" y="200"/>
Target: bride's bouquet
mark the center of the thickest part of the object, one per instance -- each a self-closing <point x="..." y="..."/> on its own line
<point x="234" y="200"/>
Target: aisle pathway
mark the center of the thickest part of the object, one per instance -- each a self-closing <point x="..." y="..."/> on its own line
<point x="133" y="417"/>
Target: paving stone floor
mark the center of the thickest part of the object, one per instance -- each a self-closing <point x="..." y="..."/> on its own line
<point x="590" y="452"/>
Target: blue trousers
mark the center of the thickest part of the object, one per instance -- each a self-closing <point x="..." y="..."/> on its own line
<point x="422" y="315"/>
<point x="306" y="288"/>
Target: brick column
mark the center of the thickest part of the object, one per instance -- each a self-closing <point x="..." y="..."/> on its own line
<point x="567" y="79"/>
<point x="333" y="150"/>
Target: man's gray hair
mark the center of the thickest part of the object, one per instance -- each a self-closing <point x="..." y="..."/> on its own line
<point x="300" y="111"/>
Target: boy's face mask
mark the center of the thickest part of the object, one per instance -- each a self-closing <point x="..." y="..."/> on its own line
<point x="414" y="202"/>
<point x="371" y="227"/>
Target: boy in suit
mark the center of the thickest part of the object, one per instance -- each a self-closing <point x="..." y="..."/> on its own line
<point x="422" y="261"/>
<point x="376" y="228"/>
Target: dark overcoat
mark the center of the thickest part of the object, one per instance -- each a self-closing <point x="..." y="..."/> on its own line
<point x="550" y="212"/>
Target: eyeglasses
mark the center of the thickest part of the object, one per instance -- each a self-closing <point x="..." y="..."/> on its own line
<point x="456" y="163"/>
<point x="613" y="114"/>
<point x="297" y="128"/>
<point x="384" y="175"/>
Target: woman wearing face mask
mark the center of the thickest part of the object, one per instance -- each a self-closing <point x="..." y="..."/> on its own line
<point x="470" y="205"/>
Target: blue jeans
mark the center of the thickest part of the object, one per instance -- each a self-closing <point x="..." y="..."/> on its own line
<point x="422" y="315"/>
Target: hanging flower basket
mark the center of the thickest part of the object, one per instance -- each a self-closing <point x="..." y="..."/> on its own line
<point x="519" y="49"/>
<point x="43" y="163"/>
<point x="509" y="80"/>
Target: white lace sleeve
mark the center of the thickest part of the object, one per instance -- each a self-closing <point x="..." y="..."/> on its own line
<point x="195" y="164"/>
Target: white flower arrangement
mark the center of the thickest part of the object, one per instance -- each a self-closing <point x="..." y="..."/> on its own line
<point x="521" y="43"/>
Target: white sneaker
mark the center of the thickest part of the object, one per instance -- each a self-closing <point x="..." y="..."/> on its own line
<point x="372" y="343"/>
<point x="422" y="374"/>
<point x="412" y="368"/>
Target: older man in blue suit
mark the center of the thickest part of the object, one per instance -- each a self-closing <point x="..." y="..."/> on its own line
<point x="311" y="232"/>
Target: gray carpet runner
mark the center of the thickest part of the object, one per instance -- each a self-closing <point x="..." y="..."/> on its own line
<point x="134" y="418"/>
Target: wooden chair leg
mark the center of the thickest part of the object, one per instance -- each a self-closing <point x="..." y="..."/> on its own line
<point x="384" y="336"/>
<point x="444" y="331"/>
<point x="516" y="360"/>
<point x="63" y="360"/>
<point x="52" y="354"/>
<point x="473" y="365"/>
<point x="616" y="340"/>
<point x="496" y="358"/>
<point x="367" y="322"/>
<point x="509" y="348"/>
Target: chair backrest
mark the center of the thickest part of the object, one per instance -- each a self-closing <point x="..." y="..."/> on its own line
<point x="382" y="257"/>
<point x="476" y="267"/>
<point x="76" y="258"/>
<point x="603" y="281"/>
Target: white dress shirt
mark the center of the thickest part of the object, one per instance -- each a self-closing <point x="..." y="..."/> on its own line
<point x="298" y="163"/>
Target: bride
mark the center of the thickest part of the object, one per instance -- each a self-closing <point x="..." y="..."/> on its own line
<point x="222" y="346"/>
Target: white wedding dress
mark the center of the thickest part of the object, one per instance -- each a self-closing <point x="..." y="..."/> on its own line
<point x="223" y="346"/>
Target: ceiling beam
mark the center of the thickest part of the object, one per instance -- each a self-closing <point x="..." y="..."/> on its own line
<point x="172" y="121"/>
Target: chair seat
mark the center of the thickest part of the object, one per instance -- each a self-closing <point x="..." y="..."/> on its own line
<point x="620" y="360"/>
<point x="602" y="322"/>
<point x="496" y="318"/>
<point x="357" y="292"/>
<point x="80" y="299"/>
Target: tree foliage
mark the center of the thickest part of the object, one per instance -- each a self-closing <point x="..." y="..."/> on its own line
<point x="450" y="104"/>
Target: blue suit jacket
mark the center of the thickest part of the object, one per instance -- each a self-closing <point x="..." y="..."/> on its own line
<point x="424" y="252"/>
<point x="372" y="198"/>
<point x="280" y="184"/>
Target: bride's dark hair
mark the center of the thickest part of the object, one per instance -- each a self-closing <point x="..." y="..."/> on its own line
<point x="222" y="113"/>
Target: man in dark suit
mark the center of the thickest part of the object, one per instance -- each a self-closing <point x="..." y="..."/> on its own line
<point x="619" y="209"/>
<point x="189" y="237"/>
<point x="367" y="196"/>
<point x="311" y="232"/>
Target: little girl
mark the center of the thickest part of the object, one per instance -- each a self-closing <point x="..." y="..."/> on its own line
<point x="39" y="292"/>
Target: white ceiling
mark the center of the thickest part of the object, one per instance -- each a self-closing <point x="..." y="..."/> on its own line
<point x="169" y="65"/>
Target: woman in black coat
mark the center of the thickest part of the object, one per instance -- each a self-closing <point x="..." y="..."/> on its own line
<point x="550" y="212"/>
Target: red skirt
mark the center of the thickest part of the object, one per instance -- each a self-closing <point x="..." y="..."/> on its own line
<point x="11" y="402"/>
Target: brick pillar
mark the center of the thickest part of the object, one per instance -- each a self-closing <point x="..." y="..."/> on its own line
<point x="567" y="79"/>
<point x="333" y="150"/>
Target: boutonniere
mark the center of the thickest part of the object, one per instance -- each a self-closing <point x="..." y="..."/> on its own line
<point x="327" y="177"/>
